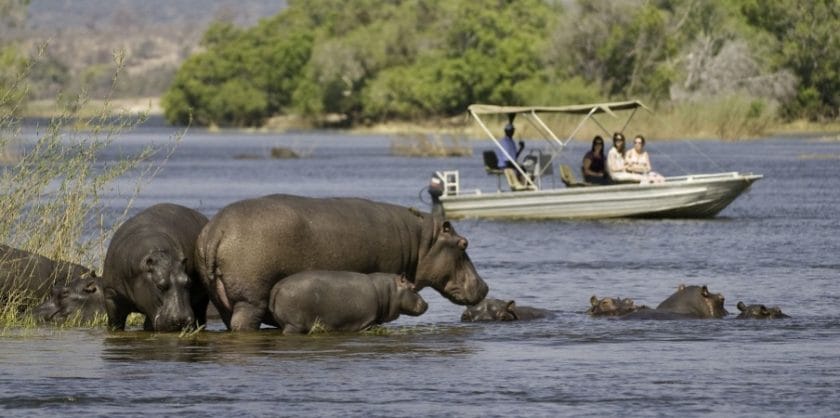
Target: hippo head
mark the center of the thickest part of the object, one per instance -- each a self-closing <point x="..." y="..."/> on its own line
<point x="759" y="312"/>
<point x="695" y="301"/>
<point x="490" y="310"/>
<point x="82" y="298"/>
<point x="610" y="306"/>
<point x="409" y="301"/>
<point x="162" y="292"/>
<point x="444" y="265"/>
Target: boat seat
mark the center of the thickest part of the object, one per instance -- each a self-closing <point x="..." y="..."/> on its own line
<point x="568" y="177"/>
<point x="515" y="184"/>
<point x="491" y="166"/>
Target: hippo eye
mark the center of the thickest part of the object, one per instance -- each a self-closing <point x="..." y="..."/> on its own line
<point x="447" y="227"/>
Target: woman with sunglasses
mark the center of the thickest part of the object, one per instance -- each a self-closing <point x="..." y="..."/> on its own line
<point x="615" y="162"/>
<point x="637" y="161"/>
<point x="593" y="163"/>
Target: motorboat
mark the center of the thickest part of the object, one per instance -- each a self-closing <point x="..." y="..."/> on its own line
<point x="686" y="196"/>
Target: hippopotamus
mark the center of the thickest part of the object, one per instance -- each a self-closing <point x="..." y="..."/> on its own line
<point x="80" y="299"/>
<point x="502" y="310"/>
<point x="150" y="268"/>
<point x="31" y="277"/>
<point x="609" y="306"/>
<point x="759" y="312"/>
<point x="342" y="300"/>
<point x="686" y="303"/>
<point x="252" y="244"/>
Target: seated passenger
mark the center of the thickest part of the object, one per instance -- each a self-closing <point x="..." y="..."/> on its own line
<point x="512" y="174"/>
<point x="615" y="163"/>
<point x="593" y="163"/>
<point x="637" y="161"/>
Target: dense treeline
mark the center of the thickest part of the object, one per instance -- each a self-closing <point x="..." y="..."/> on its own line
<point x="369" y="60"/>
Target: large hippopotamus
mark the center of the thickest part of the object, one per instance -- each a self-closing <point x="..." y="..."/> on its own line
<point x="759" y="311"/>
<point x="150" y="268"/>
<point x="252" y="244"/>
<point x="686" y="303"/>
<point x="81" y="299"/>
<point x="342" y="301"/>
<point x="30" y="277"/>
<point x="609" y="306"/>
<point x="502" y="310"/>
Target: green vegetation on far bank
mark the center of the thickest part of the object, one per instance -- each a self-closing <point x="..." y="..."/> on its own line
<point x="748" y="65"/>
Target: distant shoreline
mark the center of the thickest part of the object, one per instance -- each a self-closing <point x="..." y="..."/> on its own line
<point x="39" y="112"/>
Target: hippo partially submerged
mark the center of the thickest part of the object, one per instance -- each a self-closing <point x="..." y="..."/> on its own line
<point x="342" y="301"/>
<point x="252" y="244"/>
<point x="150" y="269"/>
<point x="686" y="303"/>
<point x="81" y="299"/>
<point x="31" y="276"/>
<point x="610" y="306"/>
<point x="759" y="311"/>
<point x="502" y="310"/>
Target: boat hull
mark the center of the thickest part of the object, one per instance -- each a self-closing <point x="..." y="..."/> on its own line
<point x="696" y="196"/>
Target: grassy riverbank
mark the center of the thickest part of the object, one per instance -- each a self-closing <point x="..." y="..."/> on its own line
<point x="728" y="119"/>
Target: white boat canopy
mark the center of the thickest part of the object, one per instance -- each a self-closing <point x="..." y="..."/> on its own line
<point x="531" y="114"/>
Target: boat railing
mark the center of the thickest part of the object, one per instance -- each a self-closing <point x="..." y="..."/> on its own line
<point x="451" y="182"/>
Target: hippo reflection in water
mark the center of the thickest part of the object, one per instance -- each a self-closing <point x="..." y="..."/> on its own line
<point x="252" y="244"/>
<point x="759" y="311"/>
<point x="502" y="310"/>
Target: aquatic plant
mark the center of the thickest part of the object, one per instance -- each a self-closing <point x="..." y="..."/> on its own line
<point x="52" y="202"/>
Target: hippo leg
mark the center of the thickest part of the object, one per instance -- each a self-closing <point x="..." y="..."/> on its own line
<point x="117" y="314"/>
<point x="293" y="330"/>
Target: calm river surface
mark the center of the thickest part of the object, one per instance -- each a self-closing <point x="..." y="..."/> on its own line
<point x="778" y="245"/>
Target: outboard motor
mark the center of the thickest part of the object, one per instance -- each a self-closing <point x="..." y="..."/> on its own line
<point x="436" y="186"/>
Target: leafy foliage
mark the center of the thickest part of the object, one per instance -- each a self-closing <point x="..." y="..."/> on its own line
<point x="369" y="60"/>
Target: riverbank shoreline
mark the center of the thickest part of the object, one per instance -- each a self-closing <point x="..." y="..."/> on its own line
<point x="660" y="126"/>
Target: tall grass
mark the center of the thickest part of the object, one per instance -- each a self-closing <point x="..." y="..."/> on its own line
<point x="52" y="189"/>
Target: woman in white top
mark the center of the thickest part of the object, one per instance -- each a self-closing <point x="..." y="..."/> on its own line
<point x="616" y="166"/>
<point x="637" y="161"/>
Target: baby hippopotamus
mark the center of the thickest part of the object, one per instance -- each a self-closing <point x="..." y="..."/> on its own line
<point x="611" y="306"/>
<point x="759" y="311"/>
<point x="501" y="310"/>
<point x="342" y="301"/>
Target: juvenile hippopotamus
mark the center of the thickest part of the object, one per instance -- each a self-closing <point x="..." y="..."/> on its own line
<point x="609" y="306"/>
<point x="31" y="277"/>
<point x="502" y="310"/>
<point x="81" y="299"/>
<point x="252" y="244"/>
<point x="759" y="312"/>
<point x="150" y="269"/>
<point x="342" y="301"/>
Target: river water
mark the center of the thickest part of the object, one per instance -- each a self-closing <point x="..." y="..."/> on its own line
<point x="777" y="245"/>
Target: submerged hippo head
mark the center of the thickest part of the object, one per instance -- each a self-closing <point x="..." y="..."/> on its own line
<point x="759" y="311"/>
<point x="409" y="301"/>
<point x="80" y="299"/>
<point x="162" y="292"/>
<point x="610" y="306"/>
<point x="490" y="310"/>
<point x="445" y="266"/>
<point x="694" y="301"/>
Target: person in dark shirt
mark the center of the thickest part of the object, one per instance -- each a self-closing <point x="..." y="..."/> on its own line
<point x="593" y="163"/>
<point x="509" y="146"/>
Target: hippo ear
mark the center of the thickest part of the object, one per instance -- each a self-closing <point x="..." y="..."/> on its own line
<point x="446" y="227"/>
<point x="511" y="305"/>
<point x="593" y="300"/>
<point x="704" y="291"/>
<point x="741" y="306"/>
<point x="681" y="287"/>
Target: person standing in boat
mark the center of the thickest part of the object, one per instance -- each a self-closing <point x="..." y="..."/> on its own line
<point x="509" y="145"/>
<point x="637" y="161"/>
<point x="594" y="162"/>
<point x="615" y="162"/>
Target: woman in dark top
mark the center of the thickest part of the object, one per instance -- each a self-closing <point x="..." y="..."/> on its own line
<point x="593" y="163"/>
